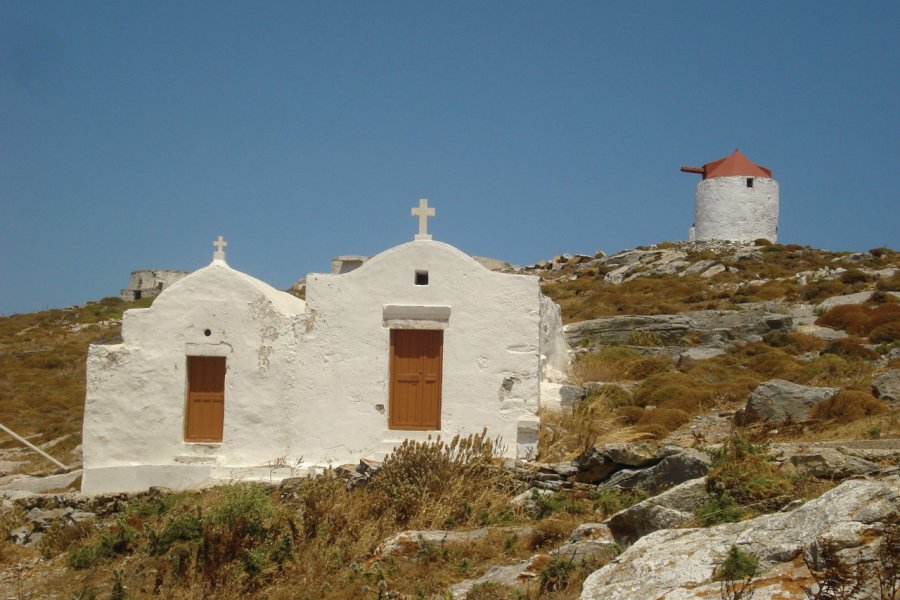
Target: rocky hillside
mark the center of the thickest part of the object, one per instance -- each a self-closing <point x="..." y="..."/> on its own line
<point x="730" y="425"/>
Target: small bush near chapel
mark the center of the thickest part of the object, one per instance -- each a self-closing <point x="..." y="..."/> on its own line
<point x="742" y="472"/>
<point x="440" y="484"/>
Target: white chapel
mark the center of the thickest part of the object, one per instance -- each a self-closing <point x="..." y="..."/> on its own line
<point x="224" y="377"/>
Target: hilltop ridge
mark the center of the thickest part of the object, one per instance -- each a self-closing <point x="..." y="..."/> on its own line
<point x="696" y="365"/>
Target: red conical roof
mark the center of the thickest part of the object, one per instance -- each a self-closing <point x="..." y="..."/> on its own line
<point x="733" y="165"/>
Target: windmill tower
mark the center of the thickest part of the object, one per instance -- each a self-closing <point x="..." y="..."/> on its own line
<point x="736" y="200"/>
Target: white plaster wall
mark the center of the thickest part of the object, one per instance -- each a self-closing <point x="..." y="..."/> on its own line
<point x="555" y="359"/>
<point x="726" y="209"/>
<point x="135" y="401"/>
<point x="491" y="336"/>
<point x="311" y="379"/>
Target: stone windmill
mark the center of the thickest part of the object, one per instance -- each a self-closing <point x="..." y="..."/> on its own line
<point x="736" y="200"/>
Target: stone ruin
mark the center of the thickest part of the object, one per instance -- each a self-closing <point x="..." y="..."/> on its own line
<point x="149" y="282"/>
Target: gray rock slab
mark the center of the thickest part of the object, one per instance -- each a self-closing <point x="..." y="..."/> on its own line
<point x="670" y="471"/>
<point x="887" y="386"/>
<point x="712" y="327"/>
<point x="508" y="575"/>
<point x="680" y="564"/>
<point x="407" y="543"/>
<point x="823" y="333"/>
<point x="39" y="485"/>
<point x="701" y="353"/>
<point x="778" y="401"/>
<point x="830" y="303"/>
<point x="829" y="463"/>
<point x="633" y="454"/>
<point x="668" y="510"/>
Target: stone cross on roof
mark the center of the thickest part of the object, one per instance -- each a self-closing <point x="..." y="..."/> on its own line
<point x="220" y="244"/>
<point x="423" y="212"/>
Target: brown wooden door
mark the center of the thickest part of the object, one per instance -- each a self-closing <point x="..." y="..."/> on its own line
<point x="206" y="399"/>
<point x="416" y="357"/>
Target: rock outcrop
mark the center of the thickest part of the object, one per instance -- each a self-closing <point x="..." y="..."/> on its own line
<point x="669" y="510"/>
<point x="887" y="386"/>
<point x="680" y="466"/>
<point x="715" y="328"/>
<point x="681" y="563"/>
<point x="780" y="401"/>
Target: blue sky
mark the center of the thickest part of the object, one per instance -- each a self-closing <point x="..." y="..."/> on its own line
<point x="134" y="133"/>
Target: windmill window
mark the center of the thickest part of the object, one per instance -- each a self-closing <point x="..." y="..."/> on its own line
<point x="421" y="277"/>
<point x="750" y="182"/>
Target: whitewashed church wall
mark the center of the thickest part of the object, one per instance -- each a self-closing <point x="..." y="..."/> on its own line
<point x="555" y="358"/>
<point x="136" y="391"/>
<point x="311" y="379"/>
<point x="491" y="339"/>
<point x="726" y="209"/>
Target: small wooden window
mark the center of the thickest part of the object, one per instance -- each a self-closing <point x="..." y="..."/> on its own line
<point x="421" y="277"/>
<point x="749" y="182"/>
<point x="205" y="414"/>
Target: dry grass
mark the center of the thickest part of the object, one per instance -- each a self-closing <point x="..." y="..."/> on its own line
<point x="864" y="320"/>
<point x="619" y="363"/>
<point x="769" y="275"/>
<point x="319" y="539"/>
<point x="42" y="371"/>
<point x="849" y="405"/>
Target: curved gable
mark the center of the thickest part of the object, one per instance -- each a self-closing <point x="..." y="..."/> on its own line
<point x="218" y="281"/>
<point x="208" y="294"/>
<point x="421" y="249"/>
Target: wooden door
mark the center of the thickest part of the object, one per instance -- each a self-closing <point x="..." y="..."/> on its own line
<point x="206" y="399"/>
<point x="416" y="357"/>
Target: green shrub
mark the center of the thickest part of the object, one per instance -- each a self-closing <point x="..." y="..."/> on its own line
<point x="611" y="501"/>
<point x="183" y="528"/>
<point x="242" y="524"/>
<point x="738" y="565"/>
<point x="243" y="509"/>
<point x="119" y="591"/>
<point x="420" y="477"/>
<point x="644" y="337"/>
<point x="60" y="536"/>
<point x="720" y="508"/>
<point x="556" y="574"/>
<point x="119" y="539"/>
<point x="743" y="472"/>
<point x="546" y="505"/>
